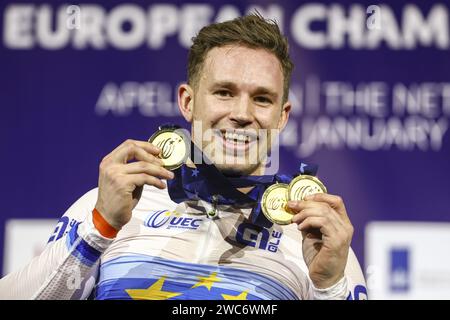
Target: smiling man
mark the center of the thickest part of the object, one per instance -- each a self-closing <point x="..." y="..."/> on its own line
<point x="197" y="237"/>
<point x="234" y="91"/>
<point x="234" y="100"/>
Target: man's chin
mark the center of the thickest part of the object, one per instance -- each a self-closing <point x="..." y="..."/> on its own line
<point x="237" y="170"/>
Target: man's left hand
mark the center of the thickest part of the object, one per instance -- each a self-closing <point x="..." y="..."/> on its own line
<point x="327" y="234"/>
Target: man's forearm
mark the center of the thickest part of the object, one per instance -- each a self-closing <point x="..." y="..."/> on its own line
<point x="66" y="269"/>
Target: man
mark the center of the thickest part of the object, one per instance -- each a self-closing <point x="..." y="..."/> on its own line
<point x="129" y="240"/>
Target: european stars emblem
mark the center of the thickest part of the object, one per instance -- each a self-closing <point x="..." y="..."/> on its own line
<point x="241" y="296"/>
<point x="154" y="292"/>
<point x="195" y="172"/>
<point x="207" y="282"/>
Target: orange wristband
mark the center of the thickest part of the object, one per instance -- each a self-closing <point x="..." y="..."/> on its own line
<point x="103" y="226"/>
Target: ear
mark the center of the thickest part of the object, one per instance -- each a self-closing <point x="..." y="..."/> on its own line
<point x="285" y="112"/>
<point x="186" y="101"/>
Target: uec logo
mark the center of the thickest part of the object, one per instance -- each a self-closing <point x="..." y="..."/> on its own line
<point x="161" y="218"/>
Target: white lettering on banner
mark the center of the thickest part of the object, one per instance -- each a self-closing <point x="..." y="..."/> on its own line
<point x="343" y="25"/>
<point x="417" y="29"/>
<point x="420" y="99"/>
<point x="341" y="97"/>
<point x="132" y="38"/>
<point x="368" y="116"/>
<point x="372" y="116"/>
<point x="413" y="30"/>
<point x="371" y="134"/>
<point x="91" y="34"/>
<point x="152" y="99"/>
<point x="195" y="16"/>
<point x="228" y="12"/>
<point x="47" y="36"/>
<point x="164" y="23"/>
<point x="301" y="26"/>
<point x="17" y="27"/>
<point x="129" y="26"/>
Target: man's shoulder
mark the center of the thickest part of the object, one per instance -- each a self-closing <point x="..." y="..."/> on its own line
<point x="151" y="197"/>
<point x="90" y="196"/>
<point x="148" y="193"/>
<point x="152" y="191"/>
<point x="86" y="201"/>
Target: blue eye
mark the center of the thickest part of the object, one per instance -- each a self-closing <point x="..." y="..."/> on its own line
<point x="261" y="99"/>
<point x="223" y="93"/>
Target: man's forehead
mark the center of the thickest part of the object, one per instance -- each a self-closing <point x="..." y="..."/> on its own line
<point x="237" y="63"/>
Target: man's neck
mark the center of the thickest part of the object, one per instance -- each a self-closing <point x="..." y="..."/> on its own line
<point x="259" y="171"/>
<point x="245" y="190"/>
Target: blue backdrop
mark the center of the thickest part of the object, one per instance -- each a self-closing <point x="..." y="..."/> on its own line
<point x="371" y="93"/>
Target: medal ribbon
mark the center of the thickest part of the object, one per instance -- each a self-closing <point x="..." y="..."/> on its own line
<point x="207" y="183"/>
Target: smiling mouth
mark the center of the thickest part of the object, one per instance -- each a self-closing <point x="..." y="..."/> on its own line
<point x="237" y="140"/>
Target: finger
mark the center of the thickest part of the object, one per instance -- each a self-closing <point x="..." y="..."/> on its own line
<point x="132" y="151"/>
<point x="329" y="217"/>
<point x="139" y="179"/>
<point x="140" y="154"/>
<point x="149" y="147"/>
<point x="304" y="213"/>
<point x="334" y="201"/>
<point x="296" y="206"/>
<point x="121" y="153"/>
<point x="320" y="223"/>
<point x="299" y="205"/>
<point x="148" y="168"/>
<point x="315" y="208"/>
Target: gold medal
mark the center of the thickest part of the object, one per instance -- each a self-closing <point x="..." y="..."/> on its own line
<point x="173" y="145"/>
<point x="274" y="202"/>
<point x="304" y="185"/>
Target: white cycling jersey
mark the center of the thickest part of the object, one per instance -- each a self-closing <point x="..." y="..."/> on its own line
<point x="174" y="251"/>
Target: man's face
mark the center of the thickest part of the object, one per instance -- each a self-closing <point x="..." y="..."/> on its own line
<point x="239" y="92"/>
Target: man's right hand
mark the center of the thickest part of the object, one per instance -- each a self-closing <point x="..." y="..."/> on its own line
<point x="120" y="183"/>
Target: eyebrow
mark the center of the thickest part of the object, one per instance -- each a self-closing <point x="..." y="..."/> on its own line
<point x="224" y="84"/>
<point x="232" y="86"/>
<point x="266" y="91"/>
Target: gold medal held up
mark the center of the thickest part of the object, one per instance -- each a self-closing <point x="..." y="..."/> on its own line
<point x="275" y="198"/>
<point x="273" y="204"/>
<point x="304" y="185"/>
<point x="174" y="147"/>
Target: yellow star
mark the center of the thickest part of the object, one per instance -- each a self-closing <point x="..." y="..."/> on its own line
<point x="153" y="292"/>
<point x="241" y="296"/>
<point x="207" y="281"/>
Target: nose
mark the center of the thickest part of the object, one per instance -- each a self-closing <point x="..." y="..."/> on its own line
<point x="242" y="113"/>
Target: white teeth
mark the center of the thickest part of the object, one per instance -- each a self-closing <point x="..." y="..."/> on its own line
<point x="235" y="137"/>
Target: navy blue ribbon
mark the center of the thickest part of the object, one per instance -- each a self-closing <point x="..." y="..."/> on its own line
<point x="207" y="183"/>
